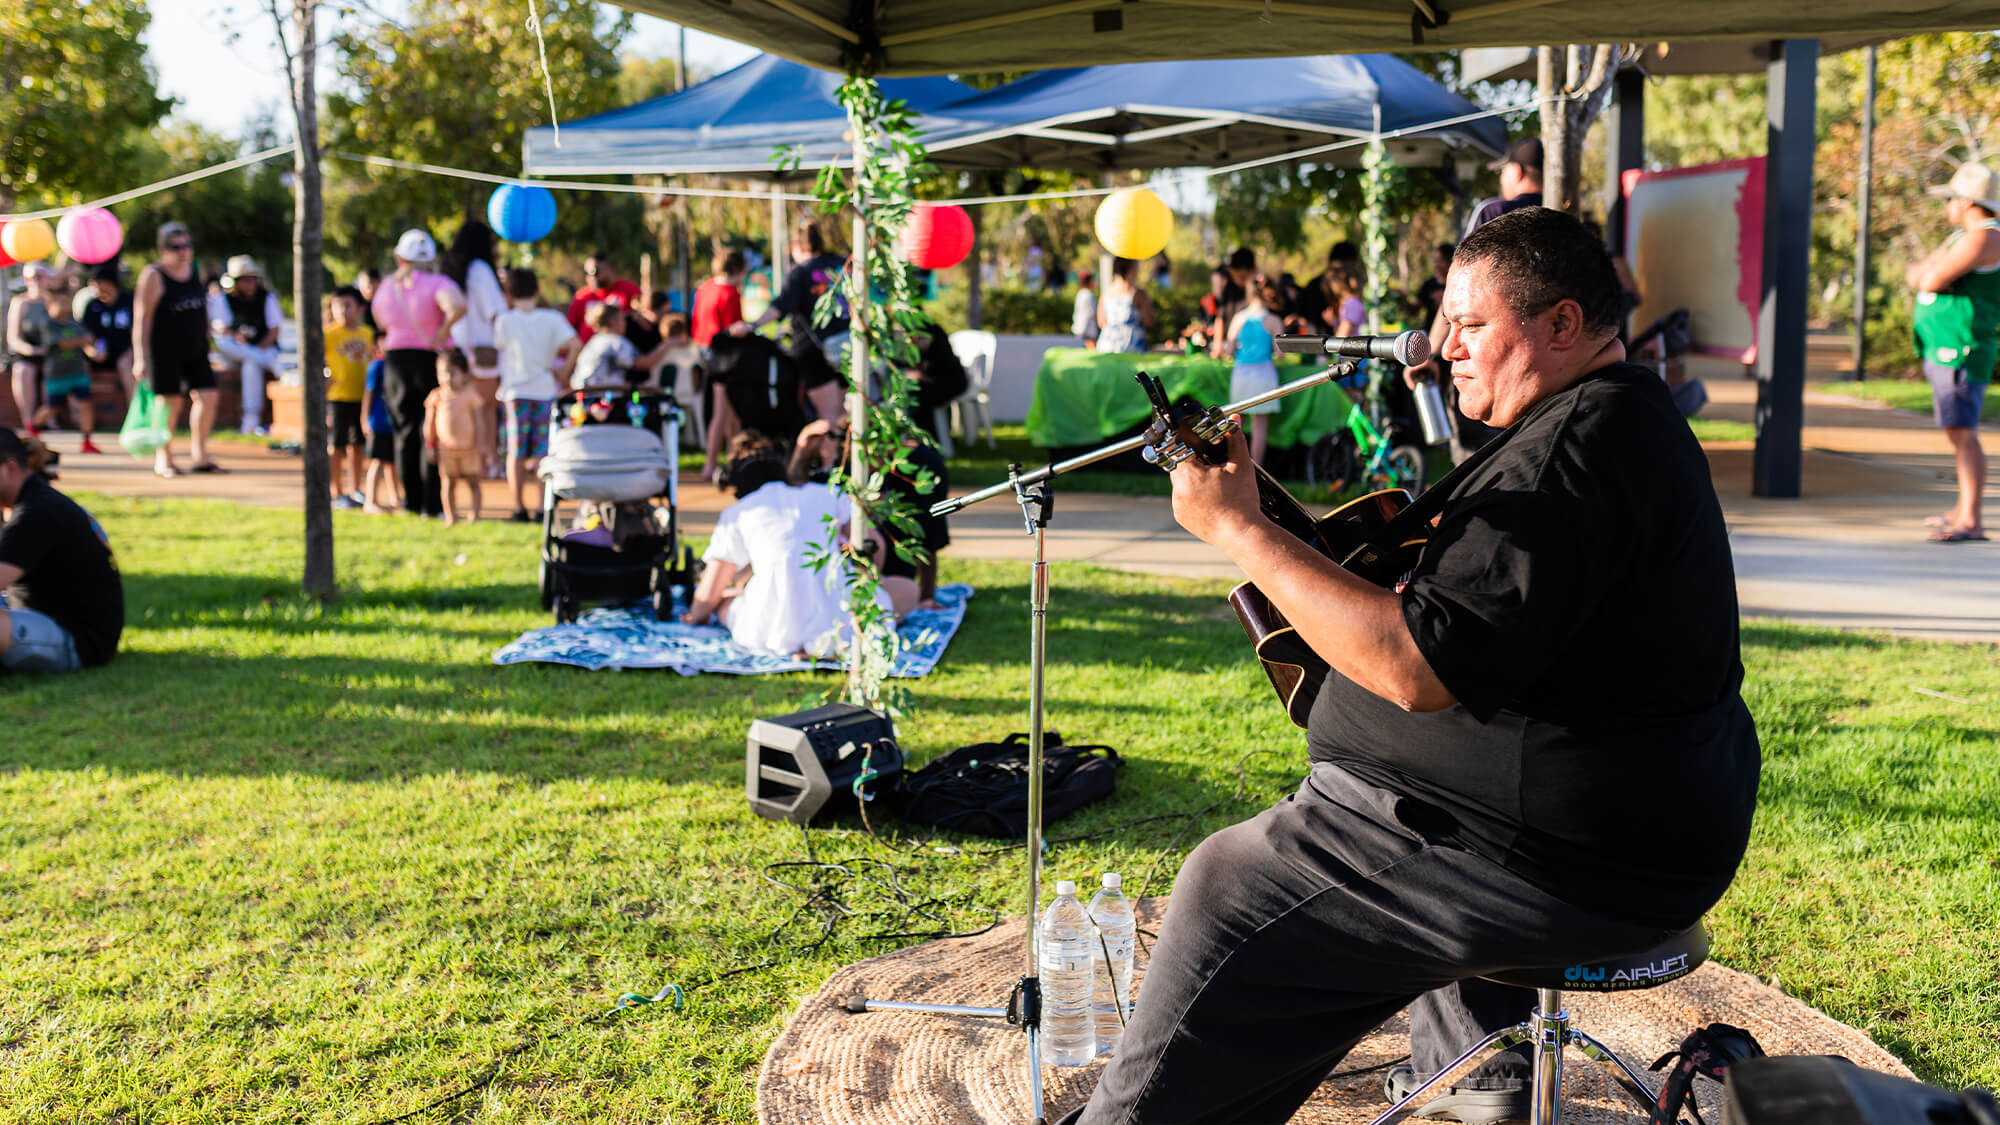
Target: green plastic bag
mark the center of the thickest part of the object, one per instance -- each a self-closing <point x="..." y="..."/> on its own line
<point x="146" y="424"/>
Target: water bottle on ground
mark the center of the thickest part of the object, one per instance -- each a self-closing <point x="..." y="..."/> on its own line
<point x="1066" y="938"/>
<point x="1111" y="963"/>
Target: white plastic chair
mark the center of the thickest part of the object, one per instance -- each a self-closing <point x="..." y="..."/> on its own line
<point x="971" y="411"/>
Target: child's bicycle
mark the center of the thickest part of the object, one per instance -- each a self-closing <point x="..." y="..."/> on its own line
<point x="1373" y="452"/>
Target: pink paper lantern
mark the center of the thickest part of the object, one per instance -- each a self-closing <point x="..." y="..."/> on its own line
<point x="938" y="237"/>
<point x="90" y="235"/>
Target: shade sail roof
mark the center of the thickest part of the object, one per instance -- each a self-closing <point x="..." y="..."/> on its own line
<point x="1209" y="112"/>
<point x="730" y="123"/>
<point x="905" y="37"/>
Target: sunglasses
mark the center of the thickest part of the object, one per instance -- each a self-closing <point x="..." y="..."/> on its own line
<point x="179" y="246"/>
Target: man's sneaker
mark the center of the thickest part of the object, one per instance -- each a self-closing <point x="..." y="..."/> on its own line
<point x="1474" y="1107"/>
<point x="90" y="446"/>
<point x="345" y="503"/>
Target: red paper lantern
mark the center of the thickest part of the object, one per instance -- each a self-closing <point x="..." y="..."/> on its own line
<point x="938" y="237"/>
<point x="5" y="258"/>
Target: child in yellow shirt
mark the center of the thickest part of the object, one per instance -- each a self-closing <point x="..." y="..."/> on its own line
<point x="349" y="346"/>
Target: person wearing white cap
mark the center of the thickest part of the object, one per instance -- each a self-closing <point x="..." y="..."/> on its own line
<point x="27" y="331"/>
<point x="415" y="308"/>
<point x="1957" y="323"/>
<point x="245" y="318"/>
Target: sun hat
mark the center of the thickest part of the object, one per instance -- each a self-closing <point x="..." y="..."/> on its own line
<point x="240" y="266"/>
<point x="416" y="246"/>
<point x="1975" y="182"/>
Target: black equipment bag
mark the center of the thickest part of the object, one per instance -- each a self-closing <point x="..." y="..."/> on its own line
<point x="1708" y="1052"/>
<point x="983" y="788"/>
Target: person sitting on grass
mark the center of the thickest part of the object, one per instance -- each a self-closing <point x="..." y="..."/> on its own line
<point x="610" y="361"/>
<point x="821" y="446"/>
<point x="755" y="579"/>
<point x="62" y="606"/>
<point x="451" y="431"/>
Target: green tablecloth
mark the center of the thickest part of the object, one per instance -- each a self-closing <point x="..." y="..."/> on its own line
<point x="1086" y="398"/>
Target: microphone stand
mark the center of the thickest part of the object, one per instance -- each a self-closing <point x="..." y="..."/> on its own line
<point x="1037" y="500"/>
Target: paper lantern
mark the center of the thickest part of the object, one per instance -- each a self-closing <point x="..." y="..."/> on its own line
<point x="6" y="259"/>
<point x="1134" y="223"/>
<point x="938" y="237"/>
<point x="521" y="212"/>
<point x="90" y="235"/>
<point x="28" y="240"/>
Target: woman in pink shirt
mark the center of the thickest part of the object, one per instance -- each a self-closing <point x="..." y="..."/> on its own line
<point x="415" y="308"/>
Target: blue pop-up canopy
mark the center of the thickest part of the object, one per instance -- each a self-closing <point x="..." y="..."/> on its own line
<point x="729" y="124"/>
<point x="1211" y="112"/>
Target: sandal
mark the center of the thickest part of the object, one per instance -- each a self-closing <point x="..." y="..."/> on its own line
<point x="1958" y="535"/>
<point x="167" y="473"/>
<point x="207" y="467"/>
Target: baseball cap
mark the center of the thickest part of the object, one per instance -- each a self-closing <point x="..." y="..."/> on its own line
<point x="416" y="246"/>
<point x="1975" y="182"/>
<point x="1527" y="152"/>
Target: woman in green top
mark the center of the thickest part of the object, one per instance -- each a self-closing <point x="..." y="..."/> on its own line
<point x="1957" y="322"/>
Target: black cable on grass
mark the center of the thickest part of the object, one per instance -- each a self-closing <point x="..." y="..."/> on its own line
<point x="824" y="886"/>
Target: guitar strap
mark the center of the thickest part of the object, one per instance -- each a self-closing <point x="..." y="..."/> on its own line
<point x="1409" y="523"/>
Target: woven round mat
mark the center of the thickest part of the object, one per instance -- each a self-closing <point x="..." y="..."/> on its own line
<point x="895" y="1068"/>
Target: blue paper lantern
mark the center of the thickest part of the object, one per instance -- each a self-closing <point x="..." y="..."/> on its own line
<point x="521" y="212"/>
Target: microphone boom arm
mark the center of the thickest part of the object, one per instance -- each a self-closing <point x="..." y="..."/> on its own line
<point x="1339" y="369"/>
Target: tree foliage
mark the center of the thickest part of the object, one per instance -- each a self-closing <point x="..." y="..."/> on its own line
<point x="76" y="92"/>
<point x="246" y="211"/>
<point x="459" y="85"/>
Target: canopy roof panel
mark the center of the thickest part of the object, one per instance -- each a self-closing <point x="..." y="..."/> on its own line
<point x="1209" y="112"/>
<point x="729" y="124"/>
<point x="907" y="37"/>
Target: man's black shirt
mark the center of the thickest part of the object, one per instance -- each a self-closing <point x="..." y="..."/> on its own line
<point x="67" y="570"/>
<point x="1578" y="600"/>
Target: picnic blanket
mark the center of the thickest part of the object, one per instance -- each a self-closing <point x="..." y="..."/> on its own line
<point x="628" y="637"/>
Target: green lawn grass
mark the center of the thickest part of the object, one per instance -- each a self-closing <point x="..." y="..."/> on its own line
<point x="286" y="862"/>
<point x="1903" y="394"/>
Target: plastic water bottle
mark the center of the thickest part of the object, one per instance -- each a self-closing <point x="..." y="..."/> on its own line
<point x="1111" y="980"/>
<point x="1068" y="1039"/>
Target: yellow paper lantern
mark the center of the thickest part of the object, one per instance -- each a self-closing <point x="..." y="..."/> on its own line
<point x="29" y="240"/>
<point x="1134" y="223"/>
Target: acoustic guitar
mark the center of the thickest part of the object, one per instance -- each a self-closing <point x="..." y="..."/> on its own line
<point x="1358" y="535"/>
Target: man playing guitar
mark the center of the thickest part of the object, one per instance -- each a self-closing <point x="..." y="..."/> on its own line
<point x="1534" y="754"/>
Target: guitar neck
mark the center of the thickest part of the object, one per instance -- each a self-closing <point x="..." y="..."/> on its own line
<point x="1281" y="508"/>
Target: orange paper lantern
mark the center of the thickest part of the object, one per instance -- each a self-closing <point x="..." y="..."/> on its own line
<point x="28" y="240"/>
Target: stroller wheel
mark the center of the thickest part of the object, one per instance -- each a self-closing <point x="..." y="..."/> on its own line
<point x="546" y="583"/>
<point x="663" y="604"/>
<point x="566" y="608"/>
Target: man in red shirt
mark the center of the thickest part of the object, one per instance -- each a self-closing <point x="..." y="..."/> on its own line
<point x="602" y="285"/>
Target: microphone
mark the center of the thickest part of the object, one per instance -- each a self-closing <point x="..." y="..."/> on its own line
<point x="1407" y="348"/>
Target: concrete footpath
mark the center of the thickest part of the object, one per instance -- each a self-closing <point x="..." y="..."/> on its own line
<point x="1850" y="553"/>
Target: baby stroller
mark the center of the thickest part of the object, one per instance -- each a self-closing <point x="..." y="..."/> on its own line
<point x="612" y="453"/>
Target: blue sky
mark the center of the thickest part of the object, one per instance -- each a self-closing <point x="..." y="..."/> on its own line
<point x="219" y="81"/>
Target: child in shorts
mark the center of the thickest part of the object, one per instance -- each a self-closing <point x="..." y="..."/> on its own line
<point x="536" y="346"/>
<point x="451" y="431"/>
<point x="349" y="343"/>
<point x="380" y="430"/>
<point x="66" y="370"/>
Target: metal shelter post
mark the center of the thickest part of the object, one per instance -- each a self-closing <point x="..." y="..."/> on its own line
<point x="1781" y="317"/>
<point x="1626" y="150"/>
<point x="1864" y="219"/>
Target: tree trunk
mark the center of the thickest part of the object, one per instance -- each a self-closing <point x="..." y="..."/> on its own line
<point x="975" y="313"/>
<point x="307" y="239"/>
<point x="1573" y="84"/>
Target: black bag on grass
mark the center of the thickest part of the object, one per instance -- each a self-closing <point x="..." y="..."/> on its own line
<point x="983" y="788"/>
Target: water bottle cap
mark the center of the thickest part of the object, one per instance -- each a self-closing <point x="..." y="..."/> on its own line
<point x="1112" y="881"/>
<point x="1065" y="887"/>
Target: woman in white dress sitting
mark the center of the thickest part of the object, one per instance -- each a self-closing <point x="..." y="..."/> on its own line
<point x="755" y="579"/>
